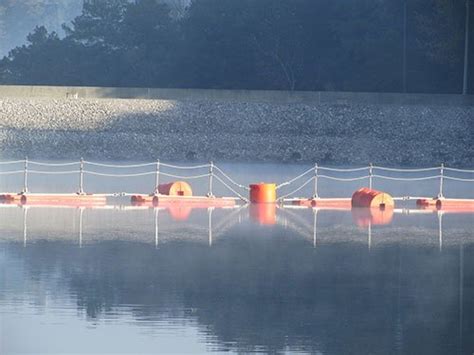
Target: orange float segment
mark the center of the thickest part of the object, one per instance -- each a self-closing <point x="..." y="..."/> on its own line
<point x="370" y="198"/>
<point x="263" y="193"/>
<point x="176" y="188"/>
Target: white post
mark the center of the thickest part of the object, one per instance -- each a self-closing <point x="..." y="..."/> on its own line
<point x="157" y="177"/>
<point x="25" y="177"/>
<point x="441" y="180"/>
<point x="211" y="172"/>
<point x="81" y="177"/>
<point x="315" y="195"/>
<point x="371" y="168"/>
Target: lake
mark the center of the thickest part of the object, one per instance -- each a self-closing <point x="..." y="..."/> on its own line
<point x="247" y="279"/>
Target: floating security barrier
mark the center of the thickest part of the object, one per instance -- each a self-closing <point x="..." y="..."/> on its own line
<point x="370" y="198"/>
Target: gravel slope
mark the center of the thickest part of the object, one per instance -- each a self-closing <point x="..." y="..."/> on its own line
<point x="353" y="134"/>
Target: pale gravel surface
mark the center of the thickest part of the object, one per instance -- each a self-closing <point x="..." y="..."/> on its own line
<point x="354" y="134"/>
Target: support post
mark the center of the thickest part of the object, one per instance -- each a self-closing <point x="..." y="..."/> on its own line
<point x="157" y="177"/>
<point x="25" y="177"/>
<point x="441" y="181"/>
<point x="81" y="177"/>
<point x="211" y="173"/>
<point x="371" y="170"/>
<point x="315" y="194"/>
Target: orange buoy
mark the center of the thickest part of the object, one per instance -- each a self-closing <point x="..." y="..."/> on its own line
<point x="177" y="188"/>
<point x="262" y="193"/>
<point x="369" y="198"/>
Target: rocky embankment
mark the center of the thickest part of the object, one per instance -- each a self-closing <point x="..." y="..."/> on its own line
<point x="349" y="134"/>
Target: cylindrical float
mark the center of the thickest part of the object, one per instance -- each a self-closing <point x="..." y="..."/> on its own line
<point x="176" y="188"/>
<point x="263" y="193"/>
<point x="370" y="198"/>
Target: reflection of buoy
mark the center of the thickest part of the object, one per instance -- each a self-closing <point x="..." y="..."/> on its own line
<point x="369" y="198"/>
<point x="375" y="216"/>
<point x="263" y="213"/>
<point x="176" y="188"/>
<point x="179" y="212"/>
<point x="262" y="193"/>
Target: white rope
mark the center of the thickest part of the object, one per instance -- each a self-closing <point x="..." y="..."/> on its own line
<point x="408" y="179"/>
<point x="11" y="172"/>
<point x="185" y="167"/>
<point x="53" y="172"/>
<point x="230" y="179"/>
<point x="185" y="177"/>
<point x="344" y="179"/>
<point x="230" y="188"/>
<point x="298" y="189"/>
<point x="118" y="175"/>
<point x="459" y="170"/>
<point x="342" y="169"/>
<point x="405" y="170"/>
<point x="457" y="179"/>
<point x="52" y="164"/>
<point x="11" y="162"/>
<point x="295" y="178"/>
<point x="119" y="166"/>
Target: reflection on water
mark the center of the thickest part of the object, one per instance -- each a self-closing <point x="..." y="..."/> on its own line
<point x="284" y="280"/>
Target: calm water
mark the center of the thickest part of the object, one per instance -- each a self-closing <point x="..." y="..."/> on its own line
<point x="124" y="279"/>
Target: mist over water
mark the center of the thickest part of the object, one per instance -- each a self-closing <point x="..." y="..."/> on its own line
<point x="142" y="279"/>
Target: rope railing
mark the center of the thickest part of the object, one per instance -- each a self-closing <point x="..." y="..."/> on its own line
<point x="215" y="171"/>
<point x="232" y="181"/>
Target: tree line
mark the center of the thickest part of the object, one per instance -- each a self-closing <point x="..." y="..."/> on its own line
<point x="350" y="45"/>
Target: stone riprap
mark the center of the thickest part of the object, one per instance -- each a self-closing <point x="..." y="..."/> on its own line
<point x="133" y="129"/>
